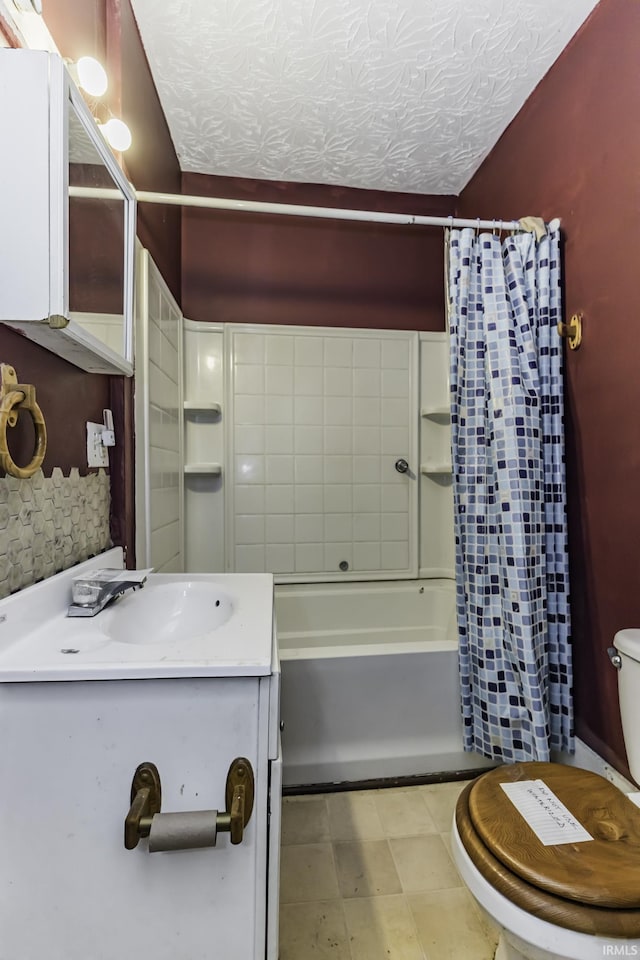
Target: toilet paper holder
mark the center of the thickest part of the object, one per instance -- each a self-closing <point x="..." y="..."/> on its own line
<point x="146" y="802"/>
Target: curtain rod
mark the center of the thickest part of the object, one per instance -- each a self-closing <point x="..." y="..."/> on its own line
<point x="323" y="213"/>
<point x="294" y="210"/>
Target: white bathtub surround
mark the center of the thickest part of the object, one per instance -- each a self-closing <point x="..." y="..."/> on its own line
<point x="291" y="438"/>
<point x="437" y="555"/>
<point x="158" y="415"/>
<point x="313" y="421"/>
<point x="370" y="681"/>
<point x="205" y="420"/>
<point x="319" y="417"/>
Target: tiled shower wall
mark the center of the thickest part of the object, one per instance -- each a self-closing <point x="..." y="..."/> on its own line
<point x="204" y="430"/>
<point x="318" y="424"/>
<point x="50" y="523"/>
<point x="159" y="533"/>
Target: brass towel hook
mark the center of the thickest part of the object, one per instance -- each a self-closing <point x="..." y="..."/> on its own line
<point x="14" y="397"/>
<point x="572" y="330"/>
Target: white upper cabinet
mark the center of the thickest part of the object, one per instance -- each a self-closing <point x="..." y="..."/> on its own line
<point x="68" y="219"/>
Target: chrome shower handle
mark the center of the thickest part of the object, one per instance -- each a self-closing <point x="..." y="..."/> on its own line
<point x="401" y="466"/>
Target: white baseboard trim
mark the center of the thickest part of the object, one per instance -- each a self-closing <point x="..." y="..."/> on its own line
<point x="588" y="759"/>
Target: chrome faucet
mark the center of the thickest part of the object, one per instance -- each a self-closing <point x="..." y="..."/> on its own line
<point x="92" y="592"/>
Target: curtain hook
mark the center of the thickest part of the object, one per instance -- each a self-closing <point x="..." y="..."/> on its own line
<point x="478" y="228"/>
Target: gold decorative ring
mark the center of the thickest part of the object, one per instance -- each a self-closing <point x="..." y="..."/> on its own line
<point x="8" y="417"/>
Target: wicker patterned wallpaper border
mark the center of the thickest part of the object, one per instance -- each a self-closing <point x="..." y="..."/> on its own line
<point x="50" y="523"/>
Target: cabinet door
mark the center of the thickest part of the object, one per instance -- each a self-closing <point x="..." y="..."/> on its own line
<point x="29" y="215"/>
<point x="68" y="753"/>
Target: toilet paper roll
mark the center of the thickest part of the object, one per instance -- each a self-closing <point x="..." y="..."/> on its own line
<point x="183" y="831"/>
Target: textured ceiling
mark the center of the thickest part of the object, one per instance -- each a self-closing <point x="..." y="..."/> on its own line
<point x="405" y="95"/>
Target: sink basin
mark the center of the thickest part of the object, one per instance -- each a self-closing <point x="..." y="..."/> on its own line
<point x="163" y="612"/>
<point x="178" y="625"/>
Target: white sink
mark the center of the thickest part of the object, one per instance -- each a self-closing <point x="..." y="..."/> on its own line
<point x="162" y="612"/>
<point x="176" y="625"/>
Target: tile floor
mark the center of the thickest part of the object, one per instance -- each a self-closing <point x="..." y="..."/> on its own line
<point x="367" y="875"/>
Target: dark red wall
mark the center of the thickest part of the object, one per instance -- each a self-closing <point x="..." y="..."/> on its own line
<point x="151" y="161"/>
<point x="242" y="267"/>
<point x="574" y="152"/>
<point x="67" y="397"/>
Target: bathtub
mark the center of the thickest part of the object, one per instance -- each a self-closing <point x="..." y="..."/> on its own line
<point x="369" y="681"/>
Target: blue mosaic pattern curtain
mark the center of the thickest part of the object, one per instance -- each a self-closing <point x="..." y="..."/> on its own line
<point x="509" y="490"/>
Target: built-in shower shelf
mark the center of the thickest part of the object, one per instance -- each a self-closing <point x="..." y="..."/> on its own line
<point x="430" y="469"/>
<point x="211" y="469"/>
<point x="437" y="412"/>
<point x="201" y="406"/>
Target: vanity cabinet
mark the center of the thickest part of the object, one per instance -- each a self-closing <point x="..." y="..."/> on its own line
<point x="68" y="224"/>
<point x="69" y="889"/>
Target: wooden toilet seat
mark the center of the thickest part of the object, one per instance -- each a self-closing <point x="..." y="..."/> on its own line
<point x="591" y="887"/>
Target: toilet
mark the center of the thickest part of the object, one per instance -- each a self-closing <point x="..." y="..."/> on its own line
<point x="563" y="901"/>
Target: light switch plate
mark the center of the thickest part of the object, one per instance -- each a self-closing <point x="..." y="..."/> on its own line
<point x="97" y="453"/>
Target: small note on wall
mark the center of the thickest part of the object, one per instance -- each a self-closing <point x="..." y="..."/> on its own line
<point x="547" y="816"/>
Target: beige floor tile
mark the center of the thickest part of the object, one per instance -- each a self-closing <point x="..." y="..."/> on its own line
<point x="449" y="926"/>
<point x="423" y="864"/>
<point x="440" y="799"/>
<point x="446" y="839"/>
<point x="315" y="930"/>
<point x="354" y="816"/>
<point x="382" y="928"/>
<point x="491" y="931"/>
<point x="304" y="821"/>
<point x="366" y="869"/>
<point x="307" y="872"/>
<point x="434" y="919"/>
<point x="404" y="813"/>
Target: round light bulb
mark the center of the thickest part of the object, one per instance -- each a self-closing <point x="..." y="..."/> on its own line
<point x="117" y="133"/>
<point x="92" y="76"/>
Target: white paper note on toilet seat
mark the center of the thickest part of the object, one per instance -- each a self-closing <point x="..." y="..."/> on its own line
<point x="547" y="816"/>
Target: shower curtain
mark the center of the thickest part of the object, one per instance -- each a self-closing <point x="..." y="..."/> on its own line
<point x="509" y="493"/>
